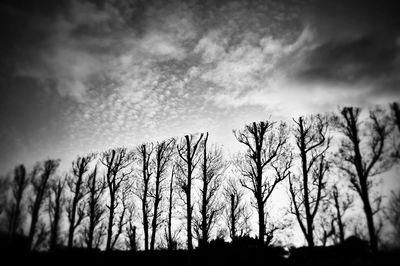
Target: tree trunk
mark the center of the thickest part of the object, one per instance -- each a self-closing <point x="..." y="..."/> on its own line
<point x="188" y="197"/>
<point x="233" y="220"/>
<point x="370" y="223"/>
<point x="261" y="223"/>
<point x="110" y="222"/>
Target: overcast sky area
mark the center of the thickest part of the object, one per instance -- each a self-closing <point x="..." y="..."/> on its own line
<point x="81" y="76"/>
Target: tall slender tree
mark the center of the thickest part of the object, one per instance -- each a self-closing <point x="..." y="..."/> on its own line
<point x="170" y="208"/>
<point x="95" y="209"/>
<point x="395" y="117"/>
<point x="145" y="152"/>
<point x="266" y="149"/>
<point x="19" y="186"/>
<point x="306" y="189"/>
<point x="163" y="154"/>
<point x="362" y="156"/>
<point x="40" y="177"/>
<point x="212" y="168"/>
<point x="56" y="204"/>
<point x="117" y="162"/>
<point x="342" y="203"/>
<point x="76" y="184"/>
<point x="187" y="151"/>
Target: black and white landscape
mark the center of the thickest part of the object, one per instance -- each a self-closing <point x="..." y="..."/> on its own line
<point x="200" y="132"/>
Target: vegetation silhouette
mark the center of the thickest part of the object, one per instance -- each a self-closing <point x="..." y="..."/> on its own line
<point x="92" y="215"/>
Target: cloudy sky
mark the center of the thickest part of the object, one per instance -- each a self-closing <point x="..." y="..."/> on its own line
<point x="79" y="76"/>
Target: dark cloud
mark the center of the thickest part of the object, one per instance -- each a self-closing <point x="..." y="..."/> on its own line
<point x="348" y="61"/>
<point x="358" y="42"/>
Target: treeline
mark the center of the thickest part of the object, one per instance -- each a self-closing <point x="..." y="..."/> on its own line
<point x="105" y="195"/>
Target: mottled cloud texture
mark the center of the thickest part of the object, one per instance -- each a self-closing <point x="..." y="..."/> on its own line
<point x="86" y="75"/>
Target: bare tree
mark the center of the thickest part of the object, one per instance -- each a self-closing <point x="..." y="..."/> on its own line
<point x="95" y="210"/>
<point x="121" y="219"/>
<point x="131" y="229"/>
<point x="143" y="187"/>
<point x="5" y="183"/>
<point x="342" y="204"/>
<point x="187" y="151"/>
<point x="116" y="162"/>
<point x="395" y="113"/>
<point x="236" y="210"/>
<point x="55" y="208"/>
<point x="18" y="185"/>
<point x="40" y="177"/>
<point x="265" y="150"/>
<point x="170" y="235"/>
<point x="163" y="154"/>
<point x="362" y="157"/>
<point x="327" y="225"/>
<point x="212" y="168"/>
<point x="76" y="184"/>
<point x="306" y="189"/>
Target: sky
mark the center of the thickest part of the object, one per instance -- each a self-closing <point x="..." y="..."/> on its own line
<point x="80" y="76"/>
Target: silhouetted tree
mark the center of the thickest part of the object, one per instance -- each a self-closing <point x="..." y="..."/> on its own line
<point x="328" y="229"/>
<point x="55" y="208"/>
<point x="143" y="187"/>
<point x="265" y="149"/>
<point x="342" y="204"/>
<point x="212" y="168"/>
<point x="187" y="151"/>
<point x="306" y="189"/>
<point x="18" y="186"/>
<point x="163" y="154"/>
<point x="95" y="208"/>
<point x="362" y="157"/>
<point x="236" y="212"/>
<point x="121" y="219"/>
<point x="131" y="229"/>
<point x="40" y="177"/>
<point x="4" y="187"/>
<point x="116" y="162"/>
<point x="171" y="235"/>
<point x="76" y="184"/>
<point x="395" y="113"/>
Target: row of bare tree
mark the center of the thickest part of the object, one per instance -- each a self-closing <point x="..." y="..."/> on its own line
<point x="98" y="198"/>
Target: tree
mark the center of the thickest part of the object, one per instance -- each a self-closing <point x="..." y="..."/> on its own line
<point x="362" y="157"/>
<point x="40" y="177"/>
<point x="121" y="221"/>
<point x="116" y="162"/>
<point x="266" y="147"/>
<point x="76" y="209"/>
<point x="95" y="210"/>
<point x="163" y="154"/>
<point x="55" y="208"/>
<point x="19" y="185"/>
<point x="236" y="213"/>
<point x="187" y="151"/>
<point x="395" y="113"/>
<point x="212" y="168"/>
<point x="4" y="187"/>
<point x="342" y="204"/>
<point x="143" y="187"/>
<point x="306" y="189"/>
<point x="170" y="235"/>
<point x="131" y="229"/>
